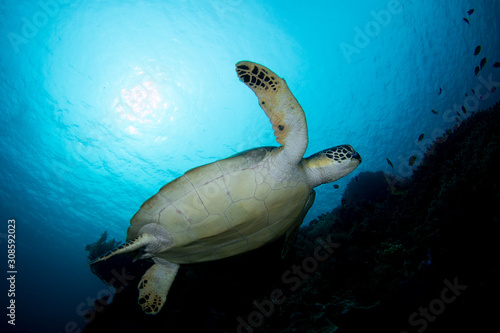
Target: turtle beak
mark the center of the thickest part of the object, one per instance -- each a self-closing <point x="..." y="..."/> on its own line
<point x="357" y="156"/>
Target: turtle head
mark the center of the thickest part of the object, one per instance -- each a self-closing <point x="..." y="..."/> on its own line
<point x="331" y="164"/>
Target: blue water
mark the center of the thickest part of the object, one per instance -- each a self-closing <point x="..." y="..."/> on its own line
<point x="103" y="102"/>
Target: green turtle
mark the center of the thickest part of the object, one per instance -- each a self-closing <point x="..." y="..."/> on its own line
<point x="236" y="204"/>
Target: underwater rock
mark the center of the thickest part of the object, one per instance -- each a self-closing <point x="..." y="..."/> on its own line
<point x="369" y="186"/>
<point x="448" y="209"/>
<point x="95" y="250"/>
<point x="101" y="246"/>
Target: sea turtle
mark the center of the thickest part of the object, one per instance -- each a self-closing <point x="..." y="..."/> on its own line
<point x="236" y="204"/>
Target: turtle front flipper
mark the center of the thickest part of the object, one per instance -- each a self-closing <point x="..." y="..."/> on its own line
<point x="155" y="284"/>
<point x="279" y="104"/>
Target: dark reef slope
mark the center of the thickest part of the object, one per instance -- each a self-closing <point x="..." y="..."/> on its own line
<point x="412" y="255"/>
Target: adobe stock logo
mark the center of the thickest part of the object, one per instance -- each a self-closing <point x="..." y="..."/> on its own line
<point x="294" y="278"/>
<point x="32" y="24"/>
<point x="372" y="29"/>
<point x="420" y="319"/>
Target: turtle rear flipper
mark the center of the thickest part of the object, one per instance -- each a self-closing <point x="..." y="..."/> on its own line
<point x="130" y="246"/>
<point x="153" y="238"/>
<point x="155" y="284"/>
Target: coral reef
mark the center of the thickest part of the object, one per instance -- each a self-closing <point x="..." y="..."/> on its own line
<point x="97" y="249"/>
<point x="396" y="250"/>
<point x="101" y="246"/>
<point x="399" y="255"/>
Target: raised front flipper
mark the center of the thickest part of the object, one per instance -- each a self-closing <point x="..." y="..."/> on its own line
<point x="279" y="104"/>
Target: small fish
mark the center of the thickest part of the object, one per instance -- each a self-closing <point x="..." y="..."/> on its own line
<point x="440" y="91"/>
<point x="420" y="137"/>
<point x="434" y="111"/>
<point x="464" y="110"/>
<point x="458" y="120"/>
<point x="477" y="50"/>
<point x="458" y="113"/>
<point x="473" y="91"/>
<point x="466" y="95"/>
<point x="412" y="160"/>
<point x="483" y="62"/>
<point x="477" y="70"/>
<point x="470" y="11"/>
<point x="390" y="163"/>
<point x="335" y="186"/>
<point x="496" y="64"/>
<point x="493" y="89"/>
<point x="467" y="21"/>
